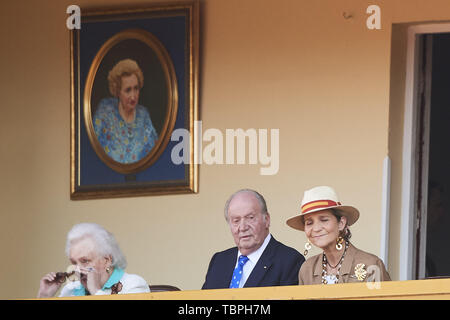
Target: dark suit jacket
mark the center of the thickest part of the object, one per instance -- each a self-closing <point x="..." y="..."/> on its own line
<point x="277" y="266"/>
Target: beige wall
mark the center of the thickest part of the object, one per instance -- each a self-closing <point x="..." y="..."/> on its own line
<point x="295" y="65"/>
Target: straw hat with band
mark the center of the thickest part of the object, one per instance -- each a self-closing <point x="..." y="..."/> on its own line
<point x="319" y="199"/>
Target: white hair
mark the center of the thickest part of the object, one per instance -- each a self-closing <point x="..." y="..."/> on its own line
<point x="105" y="243"/>
<point x="257" y="195"/>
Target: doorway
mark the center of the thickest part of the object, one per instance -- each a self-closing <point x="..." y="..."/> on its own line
<point x="437" y="248"/>
<point x="425" y="176"/>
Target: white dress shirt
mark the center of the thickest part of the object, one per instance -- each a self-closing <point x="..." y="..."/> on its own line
<point x="252" y="260"/>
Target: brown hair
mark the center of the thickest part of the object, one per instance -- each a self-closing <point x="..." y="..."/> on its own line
<point x="345" y="233"/>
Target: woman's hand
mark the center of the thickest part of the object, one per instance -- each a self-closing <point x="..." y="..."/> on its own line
<point x="91" y="279"/>
<point x="48" y="285"/>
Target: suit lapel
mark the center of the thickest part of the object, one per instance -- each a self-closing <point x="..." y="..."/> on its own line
<point x="228" y="267"/>
<point x="263" y="265"/>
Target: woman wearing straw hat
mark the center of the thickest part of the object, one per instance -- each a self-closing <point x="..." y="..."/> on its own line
<point x="325" y="222"/>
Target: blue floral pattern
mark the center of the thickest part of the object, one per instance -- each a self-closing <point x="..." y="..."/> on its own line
<point x="124" y="142"/>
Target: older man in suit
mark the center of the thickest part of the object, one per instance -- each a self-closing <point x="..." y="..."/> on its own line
<point x="258" y="260"/>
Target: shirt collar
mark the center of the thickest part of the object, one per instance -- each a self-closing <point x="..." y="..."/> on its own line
<point x="346" y="267"/>
<point x="318" y="267"/>
<point x="80" y="291"/>
<point x="115" y="277"/>
<point x="255" y="255"/>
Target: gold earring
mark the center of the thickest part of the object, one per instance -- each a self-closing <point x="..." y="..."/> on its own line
<point x="339" y="243"/>
<point x="307" y="248"/>
<point x="108" y="270"/>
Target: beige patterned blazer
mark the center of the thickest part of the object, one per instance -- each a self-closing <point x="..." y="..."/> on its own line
<point x="358" y="266"/>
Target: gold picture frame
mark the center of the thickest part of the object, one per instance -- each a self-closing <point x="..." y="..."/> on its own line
<point x="163" y="40"/>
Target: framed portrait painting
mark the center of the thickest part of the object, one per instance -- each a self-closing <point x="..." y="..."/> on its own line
<point x="134" y="81"/>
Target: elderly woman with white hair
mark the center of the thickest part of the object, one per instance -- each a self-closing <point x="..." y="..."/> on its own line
<point x="100" y="264"/>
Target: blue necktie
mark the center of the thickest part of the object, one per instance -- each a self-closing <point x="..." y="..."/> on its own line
<point x="237" y="273"/>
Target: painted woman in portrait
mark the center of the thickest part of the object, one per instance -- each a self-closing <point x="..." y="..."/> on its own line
<point x="123" y="126"/>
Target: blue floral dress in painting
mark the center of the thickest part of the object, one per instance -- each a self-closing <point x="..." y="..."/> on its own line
<point x="124" y="142"/>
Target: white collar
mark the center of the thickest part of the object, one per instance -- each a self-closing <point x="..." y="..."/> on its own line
<point x="255" y="255"/>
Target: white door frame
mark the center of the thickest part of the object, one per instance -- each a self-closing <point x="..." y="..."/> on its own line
<point x="407" y="232"/>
